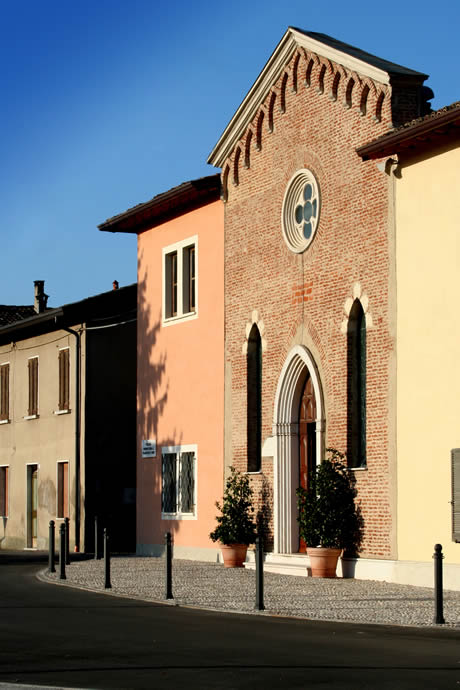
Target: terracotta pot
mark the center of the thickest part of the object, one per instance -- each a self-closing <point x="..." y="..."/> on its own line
<point x="323" y="560"/>
<point x="234" y="555"/>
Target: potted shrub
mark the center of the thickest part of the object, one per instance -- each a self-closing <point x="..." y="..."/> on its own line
<point x="236" y="528"/>
<point x="329" y="520"/>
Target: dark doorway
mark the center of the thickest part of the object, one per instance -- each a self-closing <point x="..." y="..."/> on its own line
<point x="307" y="439"/>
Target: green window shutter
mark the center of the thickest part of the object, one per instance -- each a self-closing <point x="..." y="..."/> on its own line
<point x="455" y="457"/>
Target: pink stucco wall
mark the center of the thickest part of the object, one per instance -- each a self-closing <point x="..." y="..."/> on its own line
<point x="181" y="377"/>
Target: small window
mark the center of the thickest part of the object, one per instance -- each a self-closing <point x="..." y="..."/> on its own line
<point x="4" y="491"/>
<point x="4" y="392"/>
<point x="32" y="410"/>
<point x="62" y="490"/>
<point x="180" y="280"/>
<point x="178" y="482"/>
<point x="64" y="379"/>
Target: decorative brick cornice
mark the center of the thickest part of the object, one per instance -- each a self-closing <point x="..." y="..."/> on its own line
<point x="316" y="50"/>
<point x="369" y="91"/>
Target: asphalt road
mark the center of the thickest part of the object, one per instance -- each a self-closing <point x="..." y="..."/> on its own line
<point x="60" y="637"/>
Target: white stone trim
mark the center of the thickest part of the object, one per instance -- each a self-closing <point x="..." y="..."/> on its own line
<point x="357" y="293"/>
<point x="285" y="431"/>
<point x="255" y="319"/>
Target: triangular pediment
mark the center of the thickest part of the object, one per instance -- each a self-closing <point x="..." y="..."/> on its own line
<point x="324" y="48"/>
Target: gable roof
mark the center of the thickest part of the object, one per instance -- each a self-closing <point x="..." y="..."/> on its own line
<point x="348" y="56"/>
<point x="170" y="204"/>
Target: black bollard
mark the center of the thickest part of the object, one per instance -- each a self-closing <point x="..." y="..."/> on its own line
<point x="96" y="535"/>
<point x="168" y="584"/>
<point x="51" y="568"/>
<point x="107" y="584"/>
<point x="259" y="575"/>
<point x="438" y="556"/>
<point x="62" y="552"/>
<point x="67" y="538"/>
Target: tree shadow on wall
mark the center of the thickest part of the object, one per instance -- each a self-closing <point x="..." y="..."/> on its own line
<point x="152" y="400"/>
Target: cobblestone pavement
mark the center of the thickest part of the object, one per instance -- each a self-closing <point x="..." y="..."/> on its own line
<point x="211" y="586"/>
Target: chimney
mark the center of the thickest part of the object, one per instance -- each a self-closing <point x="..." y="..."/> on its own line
<point x="115" y="284"/>
<point x="40" y="299"/>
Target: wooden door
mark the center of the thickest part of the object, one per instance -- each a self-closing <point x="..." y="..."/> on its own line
<point x="307" y="438"/>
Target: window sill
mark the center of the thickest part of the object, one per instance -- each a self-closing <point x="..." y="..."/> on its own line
<point x="31" y="416"/>
<point x="189" y="316"/>
<point x="178" y="516"/>
<point x="358" y="469"/>
<point x="61" y="411"/>
<point x="5" y="421"/>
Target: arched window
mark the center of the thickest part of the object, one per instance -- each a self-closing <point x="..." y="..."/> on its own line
<point x="254" y="400"/>
<point x="356" y="388"/>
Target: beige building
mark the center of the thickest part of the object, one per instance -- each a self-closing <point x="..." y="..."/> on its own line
<point x="423" y="162"/>
<point x="67" y="420"/>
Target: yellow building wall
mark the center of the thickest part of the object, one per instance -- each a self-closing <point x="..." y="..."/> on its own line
<point x="428" y="351"/>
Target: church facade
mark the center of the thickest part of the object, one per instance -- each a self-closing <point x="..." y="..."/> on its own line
<point x="310" y="289"/>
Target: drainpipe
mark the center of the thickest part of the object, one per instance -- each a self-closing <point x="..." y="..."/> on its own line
<point x="77" y="435"/>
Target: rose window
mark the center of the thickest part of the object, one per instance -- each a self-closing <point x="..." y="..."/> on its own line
<point x="301" y="207"/>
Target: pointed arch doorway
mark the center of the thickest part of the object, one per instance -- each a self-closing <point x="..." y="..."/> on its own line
<point x="298" y="419"/>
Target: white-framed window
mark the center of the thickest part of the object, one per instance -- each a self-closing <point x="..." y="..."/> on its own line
<point x="180" y="280"/>
<point x="4" y="392"/>
<point x="4" y="486"/>
<point x="178" y="482"/>
<point x="62" y="494"/>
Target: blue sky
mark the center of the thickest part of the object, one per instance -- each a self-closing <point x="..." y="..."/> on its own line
<point x="106" y="103"/>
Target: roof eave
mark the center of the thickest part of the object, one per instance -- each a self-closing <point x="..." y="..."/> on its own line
<point x="403" y="138"/>
<point x="171" y="203"/>
<point x="31" y="322"/>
